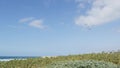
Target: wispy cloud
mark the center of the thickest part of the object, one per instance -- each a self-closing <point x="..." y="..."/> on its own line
<point x="68" y="1"/>
<point x="26" y="19"/>
<point x="47" y="3"/>
<point x="81" y="3"/>
<point x="32" y="22"/>
<point x="16" y="27"/>
<point x="118" y="30"/>
<point x="88" y="1"/>
<point x="37" y="24"/>
<point x="101" y="12"/>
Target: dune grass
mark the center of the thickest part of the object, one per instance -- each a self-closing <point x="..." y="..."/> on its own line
<point x="105" y="57"/>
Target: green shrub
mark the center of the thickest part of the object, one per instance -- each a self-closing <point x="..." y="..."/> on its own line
<point x="82" y="64"/>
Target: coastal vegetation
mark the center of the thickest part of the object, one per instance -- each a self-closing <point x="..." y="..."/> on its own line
<point x="92" y="60"/>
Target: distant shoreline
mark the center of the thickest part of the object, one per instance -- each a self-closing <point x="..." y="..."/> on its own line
<point x="8" y="58"/>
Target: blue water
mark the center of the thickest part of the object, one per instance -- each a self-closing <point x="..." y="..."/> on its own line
<point x="8" y="58"/>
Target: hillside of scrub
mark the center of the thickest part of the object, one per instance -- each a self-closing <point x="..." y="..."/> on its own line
<point x="104" y="59"/>
<point x="83" y="64"/>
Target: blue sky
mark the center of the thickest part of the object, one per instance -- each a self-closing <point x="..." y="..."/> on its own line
<point x="58" y="27"/>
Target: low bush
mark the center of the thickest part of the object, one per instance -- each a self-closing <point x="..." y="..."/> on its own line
<point x="82" y="64"/>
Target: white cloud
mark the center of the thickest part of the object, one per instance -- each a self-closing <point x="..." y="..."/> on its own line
<point x="101" y="12"/>
<point x="32" y="22"/>
<point x="26" y="19"/>
<point x="37" y="24"/>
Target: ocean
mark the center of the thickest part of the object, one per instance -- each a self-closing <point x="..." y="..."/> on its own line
<point x="8" y="58"/>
